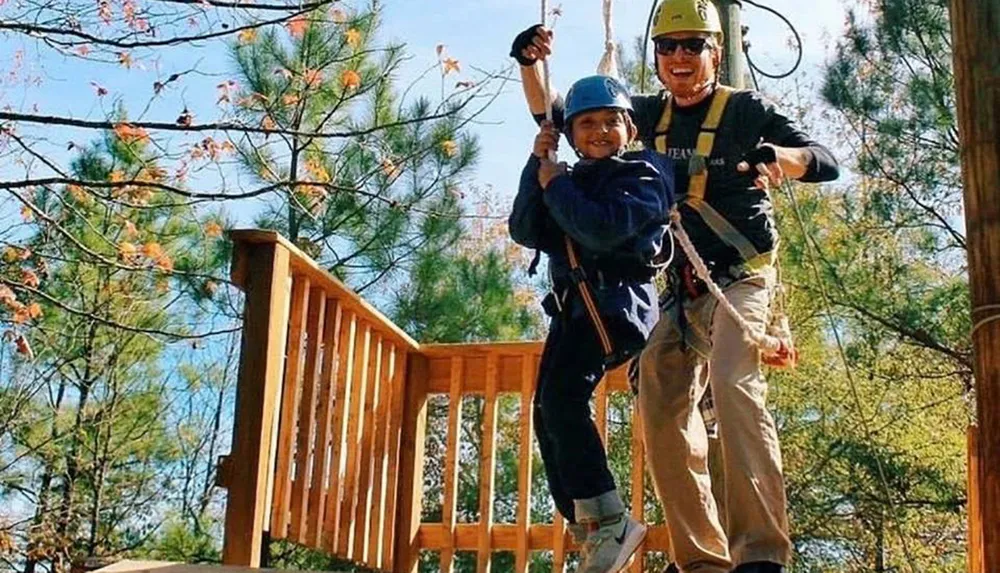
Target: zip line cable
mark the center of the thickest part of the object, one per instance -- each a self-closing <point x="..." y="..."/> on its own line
<point x="798" y="43"/>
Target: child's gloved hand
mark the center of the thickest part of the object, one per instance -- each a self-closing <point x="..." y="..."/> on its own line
<point x="549" y="170"/>
<point x="547" y="140"/>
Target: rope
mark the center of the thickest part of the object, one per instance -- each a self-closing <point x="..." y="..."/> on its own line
<point x="992" y="318"/>
<point x="545" y="79"/>
<point x="609" y="61"/>
<point x="768" y="344"/>
<point x="645" y="45"/>
<point x="865" y="426"/>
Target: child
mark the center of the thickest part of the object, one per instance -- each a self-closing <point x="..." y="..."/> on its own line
<point x="601" y="223"/>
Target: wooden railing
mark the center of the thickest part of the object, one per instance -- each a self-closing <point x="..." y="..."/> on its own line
<point x="331" y="420"/>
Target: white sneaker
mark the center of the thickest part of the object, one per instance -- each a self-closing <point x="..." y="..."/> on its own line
<point x="609" y="547"/>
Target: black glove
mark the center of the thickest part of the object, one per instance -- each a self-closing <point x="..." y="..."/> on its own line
<point x="522" y="41"/>
<point x="763" y="154"/>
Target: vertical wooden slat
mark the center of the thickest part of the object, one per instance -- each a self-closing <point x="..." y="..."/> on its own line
<point x="328" y="382"/>
<point x="487" y="465"/>
<point x="380" y="453"/>
<point x="304" y="454"/>
<point x="523" y="552"/>
<point x="450" y="462"/>
<point x="345" y="545"/>
<point x="345" y="378"/>
<point x="411" y="466"/>
<point x="366" y="438"/>
<point x="289" y="407"/>
<point x="601" y="414"/>
<point x="638" y="486"/>
<point x="558" y="543"/>
<point x="394" y="440"/>
<point x="975" y="559"/>
<point x="257" y="395"/>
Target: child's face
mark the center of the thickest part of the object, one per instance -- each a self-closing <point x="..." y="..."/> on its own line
<point x="601" y="133"/>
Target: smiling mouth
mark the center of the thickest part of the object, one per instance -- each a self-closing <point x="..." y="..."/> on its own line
<point x="681" y="72"/>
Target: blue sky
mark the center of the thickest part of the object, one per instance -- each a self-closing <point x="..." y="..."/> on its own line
<point x="476" y="32"/>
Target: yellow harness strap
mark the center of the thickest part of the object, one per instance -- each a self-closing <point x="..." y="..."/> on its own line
<point x="698" y="170"/>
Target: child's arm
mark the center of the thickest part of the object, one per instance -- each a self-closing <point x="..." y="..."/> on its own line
<point x="529" y="219"/>
<point x="628" y="202"/>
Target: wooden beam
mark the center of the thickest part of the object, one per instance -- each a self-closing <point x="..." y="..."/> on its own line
<point x="975" y="527"/>
<point x="172" y="567"/>
<point x="503" y="537"/>
<point x="448" y="509"/>
<point x="328" y="385"/>
<point x="411" y="467"/>
<point x="487" y="466"/>
<point x="976" y="53"/>
<point x="257" y="391"/>
<point x="522" y="553"/>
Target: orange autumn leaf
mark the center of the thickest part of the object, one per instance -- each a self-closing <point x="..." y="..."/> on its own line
<point x="34" y="310"/>
<point x="130" y="230"/>
<point x="213" y="229"/>
<point x="290" y="99"/>
<point x="27" y="214"/>
<point x="297" y="26"/>
<point x="152" y="250"/>
<point x="450" y="65"/>
<point x="7" y="296"/>
<point x="164" y="263"/>
<point x="29" y="278"/>
<point x="389" y="168"/>
<point x="116" y="176"/>
<point x="350" y="80"/>
<point x="127" y="250"/>
<point x="23" y="347"/>
<point x="353" y="38"/>
<point x="125" y="59"/>
<point x="312" y="77"/>
<point x="247" y="36"/>
<point x="130" y="133"/>
<point x="268" y="123"/>
<point x="449" y="147"/>
<point x="21" y="314"/>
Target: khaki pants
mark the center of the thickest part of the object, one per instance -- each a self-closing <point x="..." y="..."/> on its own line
<point x="674" y="370"/>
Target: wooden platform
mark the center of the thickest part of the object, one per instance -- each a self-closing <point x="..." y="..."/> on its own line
<point x="171" y="567"/>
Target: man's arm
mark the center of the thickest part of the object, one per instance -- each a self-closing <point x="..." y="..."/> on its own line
<point x="530" y="48"/>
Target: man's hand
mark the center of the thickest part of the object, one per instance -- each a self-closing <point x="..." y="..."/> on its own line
<point x="547" y="141"/>
<point x="532" y="45"/>
<point x="773" y="164"/>
<point x="549" y="170"/>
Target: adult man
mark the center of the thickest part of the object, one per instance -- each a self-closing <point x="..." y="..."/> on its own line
<point x="728" y="147"/>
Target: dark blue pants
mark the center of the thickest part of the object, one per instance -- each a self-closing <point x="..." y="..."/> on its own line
<point x="572" y="365"/>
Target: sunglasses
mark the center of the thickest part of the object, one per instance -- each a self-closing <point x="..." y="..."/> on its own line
<point x="691" y="46"/>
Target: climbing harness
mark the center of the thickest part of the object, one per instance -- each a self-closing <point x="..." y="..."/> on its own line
<point x="579" y="279"/>
<point x="774" y="341"/>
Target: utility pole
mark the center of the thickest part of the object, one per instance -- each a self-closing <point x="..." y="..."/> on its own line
<point x="733" y="72"/>
<point x="975" y="28"/>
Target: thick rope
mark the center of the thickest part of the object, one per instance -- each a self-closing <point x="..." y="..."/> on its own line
<point x="546" y="89"/>
<point x="609" y="61"/>
<point x="767" y="344"/>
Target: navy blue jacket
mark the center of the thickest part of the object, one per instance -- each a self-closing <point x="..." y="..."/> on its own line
<point x="615" y="210"/>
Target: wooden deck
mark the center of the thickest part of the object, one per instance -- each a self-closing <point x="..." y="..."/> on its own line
<point x="330" y="427"/>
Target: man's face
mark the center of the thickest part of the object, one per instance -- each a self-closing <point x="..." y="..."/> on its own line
<point x="686" y="62"/>
<point x="601" y="133"/>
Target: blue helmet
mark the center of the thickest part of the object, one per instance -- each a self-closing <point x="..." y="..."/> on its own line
<point x="595" y="92"/>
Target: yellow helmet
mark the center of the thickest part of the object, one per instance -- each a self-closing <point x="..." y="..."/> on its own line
<point x="686" y="16"/>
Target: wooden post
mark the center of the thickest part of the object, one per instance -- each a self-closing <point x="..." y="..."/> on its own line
<point x="264" y="270"/>
<point x="732" y="62"/>
<point x="976" y="51"/>
<point x="975" y="526"/>
<point x="411" y="466"/>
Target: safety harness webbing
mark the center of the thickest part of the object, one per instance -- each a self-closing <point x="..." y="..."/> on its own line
<point x="580" y="280"/>
<point x="698" y="171"/>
